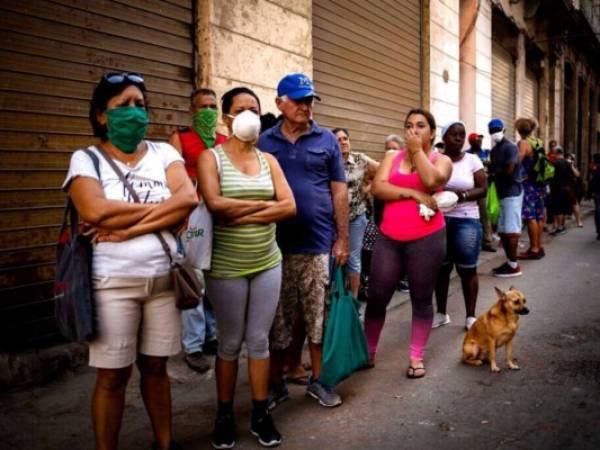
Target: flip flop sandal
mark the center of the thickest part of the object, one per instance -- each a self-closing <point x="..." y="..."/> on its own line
<point x="411" y="372"/>
<point x="301" y="380"/>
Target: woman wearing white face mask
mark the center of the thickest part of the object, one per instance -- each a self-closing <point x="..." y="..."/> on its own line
<point x="246" y="191"/>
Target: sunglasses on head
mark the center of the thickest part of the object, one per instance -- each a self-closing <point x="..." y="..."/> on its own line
<point x="119" y="77"/>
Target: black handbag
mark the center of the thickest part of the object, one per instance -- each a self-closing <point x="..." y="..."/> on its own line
<point x="73" y="291"/>
<point x="187" y="287"/>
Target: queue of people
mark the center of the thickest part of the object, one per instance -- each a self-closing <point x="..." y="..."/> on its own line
<point x="263" y="214"/>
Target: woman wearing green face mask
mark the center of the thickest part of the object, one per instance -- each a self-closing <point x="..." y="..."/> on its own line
<point x="135" y="303"/>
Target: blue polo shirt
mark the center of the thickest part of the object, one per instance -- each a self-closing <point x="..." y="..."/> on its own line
<point x="309" y="165"/>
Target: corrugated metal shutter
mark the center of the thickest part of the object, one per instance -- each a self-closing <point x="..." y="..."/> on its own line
<point x="530" y="95"/>
<point x="503" y="87"/>
<point x="367" y="67"/>
<point x="51" y="55"/>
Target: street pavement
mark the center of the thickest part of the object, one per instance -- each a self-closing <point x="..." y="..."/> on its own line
<point x="553" y="402"/>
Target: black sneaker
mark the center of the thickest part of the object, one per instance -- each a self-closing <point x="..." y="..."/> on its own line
<point x="210" y="347"/>
<point x="264" y="429"/>
<point x="403" y="286"/>
<point x="507" y="271"/>
<point x="278" y="394"/>
<point x="197" y="361"/>
<point x="224" y="434"/>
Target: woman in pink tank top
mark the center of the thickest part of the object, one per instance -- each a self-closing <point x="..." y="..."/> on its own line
<point x="409" y="244"/>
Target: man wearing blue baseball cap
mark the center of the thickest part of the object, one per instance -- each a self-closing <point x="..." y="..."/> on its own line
<point x="312" y="162"/>
<point x="504" y="171"/>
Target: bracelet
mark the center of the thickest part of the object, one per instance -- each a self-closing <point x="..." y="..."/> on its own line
<point x="464" y="195"/>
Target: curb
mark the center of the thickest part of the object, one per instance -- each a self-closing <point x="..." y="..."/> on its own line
<point x="34" y="367"/>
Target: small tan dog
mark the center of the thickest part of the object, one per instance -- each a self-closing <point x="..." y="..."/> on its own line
<point x="495" y="328"/>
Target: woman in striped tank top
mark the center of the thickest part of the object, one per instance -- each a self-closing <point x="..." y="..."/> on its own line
<point x="247" y="193"/>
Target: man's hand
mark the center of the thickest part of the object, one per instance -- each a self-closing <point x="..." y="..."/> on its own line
<point x="341" y="251"/>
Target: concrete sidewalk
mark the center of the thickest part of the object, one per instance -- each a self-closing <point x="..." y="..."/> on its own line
<point x="56" y="415"/>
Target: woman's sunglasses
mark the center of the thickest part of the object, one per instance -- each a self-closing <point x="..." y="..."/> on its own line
<point x="119" y="77"/>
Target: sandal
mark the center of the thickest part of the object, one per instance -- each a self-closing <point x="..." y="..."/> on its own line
<point x="415" y="372"/>
<point x="298" y="375"/>
<point x="302" y="380"/>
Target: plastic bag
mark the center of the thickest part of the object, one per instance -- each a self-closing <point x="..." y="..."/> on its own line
<point x="446" y="200"/>
<point x="493" y="204"/>
<point x="344" y="343"/>
<point x="197" y="238"/>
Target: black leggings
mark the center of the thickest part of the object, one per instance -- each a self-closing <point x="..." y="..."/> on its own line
<point x="420" y="260"/>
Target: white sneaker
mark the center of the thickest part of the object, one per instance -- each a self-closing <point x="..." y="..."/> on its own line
<point x="469" y="322"/>
<point x="440" y="319"/>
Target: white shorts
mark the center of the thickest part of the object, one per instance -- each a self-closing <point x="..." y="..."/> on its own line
<point x="134" y="316"/>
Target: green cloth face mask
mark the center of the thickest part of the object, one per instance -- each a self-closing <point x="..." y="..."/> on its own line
<point x="127" y="126"/>
<point x="204" y="123"/>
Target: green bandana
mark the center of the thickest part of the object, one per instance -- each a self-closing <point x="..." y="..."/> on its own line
<point x="205" y="124"/>
<point x="127" y="126"/>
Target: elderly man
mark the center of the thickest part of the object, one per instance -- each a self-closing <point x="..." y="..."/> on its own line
<point x="311" y="160"/>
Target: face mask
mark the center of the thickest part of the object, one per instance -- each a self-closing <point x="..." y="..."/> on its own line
<point x="204" y="123"/>
<point x="246" y="126"/>
<point x="497" y="137"/>
<point x="127" y="126"/>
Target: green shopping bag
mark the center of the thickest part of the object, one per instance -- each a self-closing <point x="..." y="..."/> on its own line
<point x="344" y="343"/>
<point x="493" y="204"/>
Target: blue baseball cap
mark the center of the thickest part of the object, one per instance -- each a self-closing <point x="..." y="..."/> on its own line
<point x="495" y="125"/>
<point x="296" y="86"/>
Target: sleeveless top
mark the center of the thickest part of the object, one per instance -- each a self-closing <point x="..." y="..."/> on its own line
<point x="401" y="219"/>
<point x="192" y="145"/>
<point x="242" y="250"/>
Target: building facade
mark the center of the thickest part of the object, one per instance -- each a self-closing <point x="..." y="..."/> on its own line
<point x="371" y="62"/>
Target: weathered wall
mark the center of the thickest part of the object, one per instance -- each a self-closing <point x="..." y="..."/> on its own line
<point x="253" y="43"/>
<point x="444" y="70"/>
<point x="483" y="80"/>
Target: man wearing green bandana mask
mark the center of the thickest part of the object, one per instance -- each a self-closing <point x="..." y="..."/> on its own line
<point x="198" y="324"/>
<point x="191" y="141"/>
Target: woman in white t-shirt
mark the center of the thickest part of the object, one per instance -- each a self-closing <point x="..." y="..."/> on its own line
<point x="463" y="228"/>
<point x="137" y="320"/>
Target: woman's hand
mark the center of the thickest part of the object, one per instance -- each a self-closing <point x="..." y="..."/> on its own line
<point x="102" y="235"/>
<point x="426" y="199"/>
<point x="413" y="142"/>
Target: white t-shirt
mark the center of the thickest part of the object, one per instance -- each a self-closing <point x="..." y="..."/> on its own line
<point x="142" y="256"/>
<point x="463" y="179"/>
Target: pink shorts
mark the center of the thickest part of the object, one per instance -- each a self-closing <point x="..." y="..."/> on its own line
<point x="134" y="316"/>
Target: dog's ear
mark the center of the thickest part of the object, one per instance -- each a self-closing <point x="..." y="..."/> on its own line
<point x="499" y="293"/>
<point x="512" y="288"/>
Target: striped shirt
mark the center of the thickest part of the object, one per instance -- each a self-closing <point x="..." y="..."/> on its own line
<point x="242" y="250"/>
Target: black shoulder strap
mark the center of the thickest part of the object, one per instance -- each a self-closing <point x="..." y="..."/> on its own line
<point x="70" y="210"/>
<point x="95" y="160"/>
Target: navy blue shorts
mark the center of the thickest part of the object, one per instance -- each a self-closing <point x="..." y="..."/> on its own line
<point x="463" y="240"/>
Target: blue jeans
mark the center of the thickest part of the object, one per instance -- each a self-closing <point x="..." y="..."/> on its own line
<point x="357" y="232"/>
<point x="198" y="325"/>
<point x="463" y="240"/>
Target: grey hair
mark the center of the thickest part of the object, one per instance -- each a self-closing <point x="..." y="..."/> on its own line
<point x="395" y="138"/>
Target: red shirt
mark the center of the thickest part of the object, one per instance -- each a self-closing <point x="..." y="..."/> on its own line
<point x="191" y="147"/>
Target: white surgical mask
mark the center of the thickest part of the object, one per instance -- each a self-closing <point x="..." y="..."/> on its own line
<point x="246" y="126"/>
<point x="497" y="137"/>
